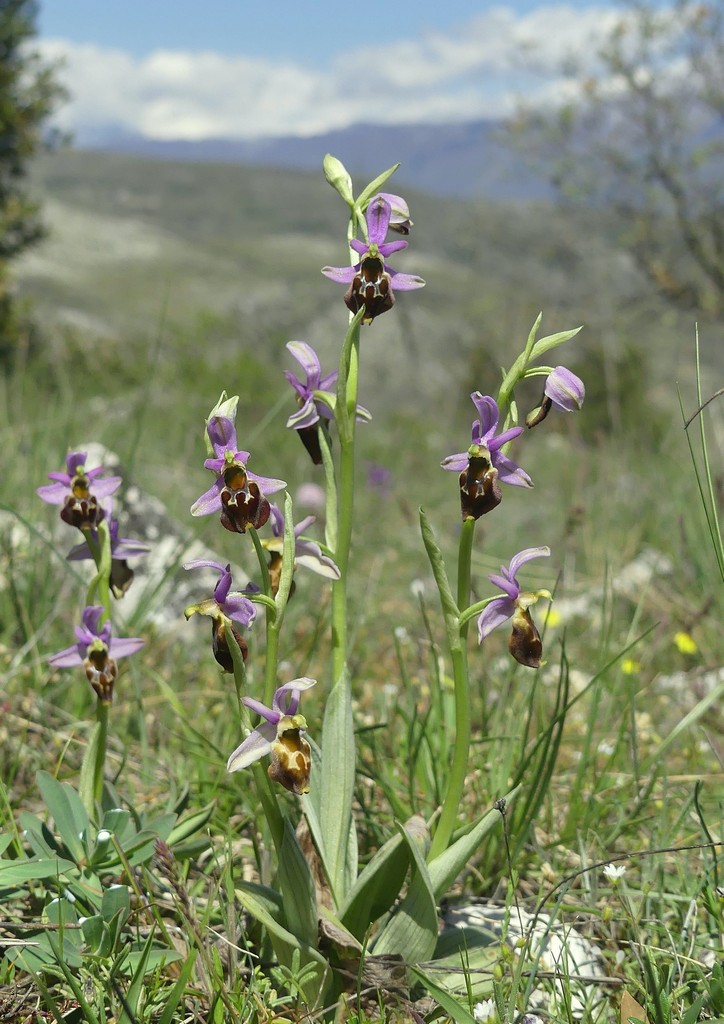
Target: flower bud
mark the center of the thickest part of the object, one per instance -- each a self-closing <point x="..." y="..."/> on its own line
<point x="338" y="177"/>
<point x="565" y="389"/>
<point x="400" y="213"/>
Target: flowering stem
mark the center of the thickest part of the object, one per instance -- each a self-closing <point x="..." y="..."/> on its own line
<point x="267" y="796"/>
<point x="345" y="411"/>
<point x="272" y="625"/>
<point x="461" y="750"/>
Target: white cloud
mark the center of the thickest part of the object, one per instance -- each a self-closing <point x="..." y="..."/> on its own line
<point x="471" y="71"/>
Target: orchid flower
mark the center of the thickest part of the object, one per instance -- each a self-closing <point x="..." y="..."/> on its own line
<point x="525" y="642"/>
<point x="239" y="495"/>
<point x="122" y="548"/>
<point x="225" y="607"/>
<point x="306" y="552"/>
<point x="78" y="491"/>
<point x="564" y="390"/>
<point x="281" y="734"/>
<point x="315" y="398"/>
<point x="372" y="283"/>
<point x="96" y="652"/>
<point x="484" y="466"/>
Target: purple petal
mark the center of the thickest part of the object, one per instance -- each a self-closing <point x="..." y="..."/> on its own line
<point x="342" y="275"/>
<point x="303" y="524"/>
<point x="488" y="413"/>
<point x="267" y="484"/>
<point x="102" y="488"/>
<point x="494" y="443"/>
<point x="67" y="658"/>
<point x="91" y="619"/>
<point x="54" y="494"/>
<point x="306" y="416"/>
<point x="256" y="745"/>
<point x="565" y="389"/>
<point x="75" y="459"/>
<point x="328" y="381"/>
<point x="210" y="501"/>
<point x="269" y="714"/>
<point x="239" y="608"/>
<point x="287" y="697"/>
<point x="127" y="548"/>
<point x="510" y="472"/>
<point x="494" y="615"/>
<point x="223" y="585"/>
<point x="203" y="563"/>
<point x="277" y="520"/>
<point x="125" y="646"/>
<point x="301" y="389"/>
<point x="525" y="556"/>
<point x="506" y="583"/>
<point x="310" y="556"/>
<point x="362" y="248"/>
<point x="404" y="282"/>
<point x="387" y="248"/>
<point x="378" y="215"/>
<point x="222" y="433"/>
<point x="456" y="463"/>
<point x="308" y="360"/>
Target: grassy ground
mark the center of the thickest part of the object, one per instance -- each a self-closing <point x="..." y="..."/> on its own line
<point x="618" y="741"/>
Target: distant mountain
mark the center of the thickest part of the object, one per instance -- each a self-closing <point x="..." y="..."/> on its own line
<point x="468" y="160"/>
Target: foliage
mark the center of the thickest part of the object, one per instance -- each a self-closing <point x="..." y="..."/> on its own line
<point x="642" y="138"/>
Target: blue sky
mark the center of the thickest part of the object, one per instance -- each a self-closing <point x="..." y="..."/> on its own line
<point x="233" y="68"/>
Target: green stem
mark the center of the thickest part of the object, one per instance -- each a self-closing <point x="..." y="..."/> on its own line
<point x="102" y="717"/>
<point x="265" y="792"/>
<point x="272" y="625"/>
<point x="345" y="508"/>
<point x="461" y="750"/>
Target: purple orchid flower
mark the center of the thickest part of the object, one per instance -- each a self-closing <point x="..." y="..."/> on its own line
<point x="281" y="734"/>
<point x="564" y="390"/>
<point x="311" y="409"/>
<point x="483" y="465"/>
<point x="121" y="548"/>
<point x="399" y="212"/>
<point x="372" y="283"/>
<point x="525" y="642"/>
<point x="306" y="552"/>
<point x="96" y="652"/>
<point x="240" y="496"/>
<point x="78" y="490"/>
<point x="224" y="605"/>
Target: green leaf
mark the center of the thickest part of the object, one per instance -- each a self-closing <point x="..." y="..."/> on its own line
<point x="445" y="868"/>
<point x="177" y="992"/>
<point x="450" y="1005"/>
<point x="412" y="931"/>
<point x="133" y="994"/>
<point x="283" y="941"/>
<point x="544" y="344"/>
<point x="69" y="814"/>
<point x="450" y="609"/>
<point x="337" y="785"/>
<point x="96" y="936"/>
<point x="14" y="871"/>
<point x="189" y="825"/>
<point x="374" y="186"/>
<point x="297" y="886"/>
<point x="379" y="884"/>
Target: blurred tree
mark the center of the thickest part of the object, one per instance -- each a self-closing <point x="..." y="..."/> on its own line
<point x="643" y="136"/>
<point x="29" y="92"/>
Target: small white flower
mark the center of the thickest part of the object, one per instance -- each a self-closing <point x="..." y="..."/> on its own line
<point x="614" y="871"/>
<point x="417" y="589"/>
<point x="606" y="748"/>
<point x="103" y="835"/>
<point x="485" y="1011"/>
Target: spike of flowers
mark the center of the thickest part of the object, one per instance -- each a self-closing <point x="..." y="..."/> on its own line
<point x="78" y="490"/>
<point x="372" y="282"/>
<point x="525" y="642"/>
<point x="97" y="652"/>
<point x="225" y="607"/>
<point x="240" y="496"/>
<point x="281" y="734"/>
<point x="484" y="465"/>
